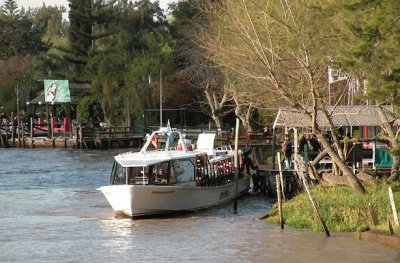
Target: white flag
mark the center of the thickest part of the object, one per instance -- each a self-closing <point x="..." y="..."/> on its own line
<point x="334" y="75"/>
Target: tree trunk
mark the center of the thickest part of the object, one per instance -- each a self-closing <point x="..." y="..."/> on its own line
<point x="214" y="105"/>
<point x="350" y="176"/>
<point x="217" y="121"/>
<point x="394" y="173"/>
<point x="392" y="137"/>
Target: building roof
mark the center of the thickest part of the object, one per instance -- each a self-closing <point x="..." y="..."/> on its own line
<point x="343" y="116"/>
<point x="77" y="92"/>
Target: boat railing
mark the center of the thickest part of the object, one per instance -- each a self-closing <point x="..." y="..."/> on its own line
<point x="140" y="180"/>
<point x="168" y="131"/>
<point x="227" y="149"/>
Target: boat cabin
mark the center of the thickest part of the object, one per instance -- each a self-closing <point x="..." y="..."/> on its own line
<point x="191" y="171"/>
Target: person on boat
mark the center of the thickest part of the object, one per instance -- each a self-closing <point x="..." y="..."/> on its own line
<point x="302" y="143"/>
<point x="250" y="169"/>
<point x="287" y="152"/>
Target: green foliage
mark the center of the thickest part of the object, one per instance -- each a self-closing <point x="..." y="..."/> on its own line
<point x="120" y="68"/>
<point x="370" y="45"/>
<point x="18" y="35"/>
<point x="8" y="99"/>
<point x="106" y="71"/>
<point x="10" y="9"/>
<point x="90" y="112"/>
<point x="50" y="18"/>
<point x="342" y="208"/>
<point x="90" y="21"/>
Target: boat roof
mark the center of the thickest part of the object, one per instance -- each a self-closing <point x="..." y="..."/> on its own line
<point x="205" y="146"/>
<point x="139" y="159"/>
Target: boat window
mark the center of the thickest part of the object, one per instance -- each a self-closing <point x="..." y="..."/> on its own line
<point x="119" y="174"/>
<point x="159" y="173"/>
<point x="134" y="175"/>
<point x="113" y="173"/>
<point x="223" y="171"/>
<point x="182" y="171"/>
<point x="202" y="171"/>
<point x="138" y="175"/>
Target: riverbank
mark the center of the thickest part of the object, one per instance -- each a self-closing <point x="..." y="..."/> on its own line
<point x="342" y="208"/>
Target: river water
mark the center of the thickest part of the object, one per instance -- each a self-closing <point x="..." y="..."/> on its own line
<point x="50" y="211"/>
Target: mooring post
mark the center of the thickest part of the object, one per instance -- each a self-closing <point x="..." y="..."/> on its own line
<point x="236" y="164"/>
<point x="12" y="129"/>
<point x="273" y="148"/>
<point x="31" y="129"/>
<point x="279" y="194"/>
<point x="374" y="215"/>
<point x="278" y="155"/>
<point x="390" y="225"/>
<point x="393" y="205"/>
<point x="303" y="178"/>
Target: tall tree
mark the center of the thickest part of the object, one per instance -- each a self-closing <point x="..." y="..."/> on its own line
<point x="281" y="45"/>
<point x="50" y="17"/>
<point x="10" y="9"/>
<point x="370" y="51"/>
<point x="192" y="62"/>
<point x="20" y="40"/>
<point x="19" y="36"/>
<point x="120" y="69"/>
<point x="89" y="21"/>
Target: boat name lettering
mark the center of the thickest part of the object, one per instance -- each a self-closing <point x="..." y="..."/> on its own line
<point x="162" y="192"/>
<point x="224" y="195"/>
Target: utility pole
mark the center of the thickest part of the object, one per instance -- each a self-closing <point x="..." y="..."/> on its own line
<point x="18" y="129"/>
<point x="236" y="164"/>
<point x="160" y="98"/>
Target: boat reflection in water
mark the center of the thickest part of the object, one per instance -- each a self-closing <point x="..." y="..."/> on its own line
<point x="181" y="178"/>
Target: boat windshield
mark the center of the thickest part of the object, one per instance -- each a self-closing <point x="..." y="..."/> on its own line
<point x="153" y="174"/>
<point x="129" y="175"/>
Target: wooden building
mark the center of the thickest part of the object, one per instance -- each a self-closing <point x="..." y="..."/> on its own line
<point x="362" y="121"/>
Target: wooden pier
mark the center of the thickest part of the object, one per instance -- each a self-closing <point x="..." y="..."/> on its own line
<point x="79" y="138"/>
<point x="267" y="181"/>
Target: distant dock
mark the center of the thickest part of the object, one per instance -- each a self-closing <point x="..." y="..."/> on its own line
<point x="76" y="138"/>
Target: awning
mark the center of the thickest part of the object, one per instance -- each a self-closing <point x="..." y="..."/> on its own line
<point x="342" y="116"/>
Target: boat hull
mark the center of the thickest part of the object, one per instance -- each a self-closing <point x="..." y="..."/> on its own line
<point x="143" y="200"/>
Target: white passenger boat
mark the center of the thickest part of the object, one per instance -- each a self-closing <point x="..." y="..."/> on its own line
<point x="182" y="178"/>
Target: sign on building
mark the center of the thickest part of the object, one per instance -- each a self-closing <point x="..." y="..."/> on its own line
<point x="56" y="91"/>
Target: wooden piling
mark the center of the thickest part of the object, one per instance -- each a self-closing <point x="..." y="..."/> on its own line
<point x="281" y="175"/>
<point x="313" y="203"/>
<point x="393" y="206"/>
<point x="390" y="225"/>
<point x="2" y="142"/>
<point x="279" y="194"/>
<point x="374" y="215"/>
<point x="318" y="212"/>
<point x="12" y="129"/>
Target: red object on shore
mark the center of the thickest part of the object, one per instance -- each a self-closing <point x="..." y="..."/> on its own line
<point x="53" y="122"/>
<point x="67" y="125"/>
<point x="41" y="122"/>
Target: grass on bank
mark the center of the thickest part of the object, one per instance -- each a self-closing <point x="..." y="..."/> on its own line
<point x="342" y="208"/>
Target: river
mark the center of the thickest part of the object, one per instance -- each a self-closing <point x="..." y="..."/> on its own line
<point x="50" y="211"/>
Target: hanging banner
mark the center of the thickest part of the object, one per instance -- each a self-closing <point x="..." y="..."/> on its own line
<point x="56" y="91"/>
<point x="334" y="75"/>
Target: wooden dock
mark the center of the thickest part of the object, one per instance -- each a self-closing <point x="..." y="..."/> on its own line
<point x="82" y="138"/>
<point x="267" y="181"/>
